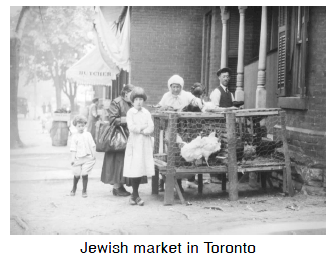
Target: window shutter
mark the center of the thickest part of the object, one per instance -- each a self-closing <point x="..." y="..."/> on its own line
<point x="282" y="51"/>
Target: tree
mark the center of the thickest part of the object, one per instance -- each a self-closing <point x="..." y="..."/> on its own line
<point x="15" y="45"/>
<point x="55" y="38"/>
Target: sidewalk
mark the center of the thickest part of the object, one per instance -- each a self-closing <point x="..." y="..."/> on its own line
<point x="35" y="141"/>
<point x="40" y="144"/>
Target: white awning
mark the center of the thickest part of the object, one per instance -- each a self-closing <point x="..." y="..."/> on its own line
<point x="92" y="70"/>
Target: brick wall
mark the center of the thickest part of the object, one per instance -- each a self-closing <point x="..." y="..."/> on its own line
<point x="165" y="41"/>
<point x="313" y="145"/>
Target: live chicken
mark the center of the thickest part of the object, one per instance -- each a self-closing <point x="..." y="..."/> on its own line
<point x="200" y="147"/>
<point x="210" y="145"/>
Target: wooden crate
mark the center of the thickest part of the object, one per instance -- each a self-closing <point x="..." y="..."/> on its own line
<point x="236" y="124"/>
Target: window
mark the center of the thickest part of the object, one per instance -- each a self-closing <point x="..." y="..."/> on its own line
<point x="292" y="52"/>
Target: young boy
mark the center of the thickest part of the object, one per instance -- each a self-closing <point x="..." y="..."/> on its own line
<point x="83" y="154"/>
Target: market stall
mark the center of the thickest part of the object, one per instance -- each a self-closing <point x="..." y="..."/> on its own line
<point x="226" y="143"/>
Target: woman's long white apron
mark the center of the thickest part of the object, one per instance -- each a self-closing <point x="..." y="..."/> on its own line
<point x="139" y="150"/>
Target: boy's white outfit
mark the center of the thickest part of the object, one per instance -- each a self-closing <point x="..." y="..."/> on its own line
<point x="139" y="151"/>
<point x="84" y="145"/>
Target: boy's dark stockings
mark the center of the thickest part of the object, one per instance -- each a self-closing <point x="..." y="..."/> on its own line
<point x="85" y="182"/>
<point x="135" y="185"/>
<point x="75" y="181"/>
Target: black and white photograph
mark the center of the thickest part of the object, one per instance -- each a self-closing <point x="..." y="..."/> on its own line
<point x="168" y="120"/>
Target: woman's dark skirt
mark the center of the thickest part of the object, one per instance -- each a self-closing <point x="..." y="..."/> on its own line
<point x="112" y="170"/>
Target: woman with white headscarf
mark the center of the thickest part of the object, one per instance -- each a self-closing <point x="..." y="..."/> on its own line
<point x="177" y="98"/>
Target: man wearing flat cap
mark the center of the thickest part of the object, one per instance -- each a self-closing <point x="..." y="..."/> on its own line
<point x="221" y="96"/>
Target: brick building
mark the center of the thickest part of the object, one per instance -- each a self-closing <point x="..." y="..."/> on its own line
<point x="189" y="41"/>
<point x="165" y="41"/>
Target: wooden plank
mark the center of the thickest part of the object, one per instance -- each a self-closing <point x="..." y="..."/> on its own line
<point x="171" y="171"/>
<point x="286" y="153"/>
<point x="159" y="115"/>
<point x="251" y="127"/>
<point x="218" y="169"/>
<point x="258" y="110"/>
<point x="159" y="162"/>
<point x="232" y="159"/>
<point x="284" y="180"/>
<point x="303" y="131"/>
<point x="154" y="182"/>
<point x="156" y="136"/>
<point x="200" y="183"/>
<point x="261" y="163"/>
<point x="188" y="114"/>
<point x="224" y="182"/>
<point x="246" y="114"/>
<point x="200" y="115"/>
<point x="180" y="195"/>
<point x="161" y="142"/>
<point x="259" y="169"/>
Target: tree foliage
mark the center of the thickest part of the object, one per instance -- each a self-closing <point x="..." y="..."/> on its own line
<point x="53" y="40"/>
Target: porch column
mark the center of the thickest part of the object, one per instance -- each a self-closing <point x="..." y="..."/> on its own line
<point x="239" y="94"/>
<point x="224" y="54"/>
<point x="261" y="89"/>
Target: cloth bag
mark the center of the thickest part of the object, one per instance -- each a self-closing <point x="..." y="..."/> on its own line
<point x="111" y="138"/>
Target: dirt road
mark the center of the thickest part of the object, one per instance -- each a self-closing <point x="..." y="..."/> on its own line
<point x="46" y="208"/>
<point x="40" y="202"/>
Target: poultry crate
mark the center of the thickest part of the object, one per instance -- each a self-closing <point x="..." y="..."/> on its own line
<point x="230" y="144"/>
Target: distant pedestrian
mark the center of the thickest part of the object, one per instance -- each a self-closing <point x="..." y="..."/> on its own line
<point x="49" y="107"/>
<point x="83" y="154"/>
<point x="139" y="160"/>
<point x="43" y="120"/>
<point x="44" y="108"/>
<point x="92" y="117"/>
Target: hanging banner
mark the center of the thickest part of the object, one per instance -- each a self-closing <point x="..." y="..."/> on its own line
<point x="114" y="40"/>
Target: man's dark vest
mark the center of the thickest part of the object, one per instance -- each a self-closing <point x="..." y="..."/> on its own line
<point x="226" y="99"/>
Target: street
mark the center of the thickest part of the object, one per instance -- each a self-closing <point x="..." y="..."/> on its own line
<point x="41" y="181"/>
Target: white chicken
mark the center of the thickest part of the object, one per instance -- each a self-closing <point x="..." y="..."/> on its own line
<point x="210" y="145"/>
<point x="200" y="147"/>
<point x="208" y="106"/>
<point x="192" y="151"/>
